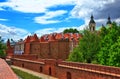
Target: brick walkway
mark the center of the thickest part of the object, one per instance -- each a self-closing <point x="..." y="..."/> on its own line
<point x="43" y="76"/>
<point x="5" y="71"/>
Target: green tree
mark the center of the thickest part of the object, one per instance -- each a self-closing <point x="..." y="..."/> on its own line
<point x="88" y="47"/>
<point x="103" y="31"/>
<point x="71" y="30"/>
<point x="106" y="42"/>
<point x="76" y="56"/>
<point x="2" y="48"/>
<point x="114" y="55"/>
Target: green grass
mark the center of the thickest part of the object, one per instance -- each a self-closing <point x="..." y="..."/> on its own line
<point x="25" y="75"/>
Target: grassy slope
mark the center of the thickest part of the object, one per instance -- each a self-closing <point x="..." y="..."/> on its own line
<point x="24" y="75"/>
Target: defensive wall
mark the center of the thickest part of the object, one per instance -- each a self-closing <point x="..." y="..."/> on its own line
<point x="66" y="70"/>
<point x="5" y="71"/>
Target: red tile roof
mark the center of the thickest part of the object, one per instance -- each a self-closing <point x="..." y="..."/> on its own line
<point x="42" y="39"/>
<point x="27" y="39"/>
<point x="5" y="71"/>
<point x="51" y="37"/>
<point x="59" y="36"/>
<point x="54" y="37"/>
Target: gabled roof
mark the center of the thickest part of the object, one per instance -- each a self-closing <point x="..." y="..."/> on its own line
<point x="59" y="36"/>
<point x="27" y="39"/>
<point x="51" y="37"/>
<point x="34" y="38"/>
<point x="42" y="39"/>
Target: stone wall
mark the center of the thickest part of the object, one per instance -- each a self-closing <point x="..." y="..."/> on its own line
<point x="68" y="70"/>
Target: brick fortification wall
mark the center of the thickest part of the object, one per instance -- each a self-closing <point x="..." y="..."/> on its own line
<point x="67" y="70"/>
<point x="52" y="46"/>
<point x="5" y="71"/>
<point x="51" y="49"/>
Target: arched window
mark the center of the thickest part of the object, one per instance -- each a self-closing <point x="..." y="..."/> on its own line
<point x="22" y="64"/>
<point x="93" y="28"/>
<point x="41" y="69"/>
<point x="69" y="75"/>
<point x="50" y="71"/>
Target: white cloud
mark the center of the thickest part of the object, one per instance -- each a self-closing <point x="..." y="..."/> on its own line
<point x="1" y="9"/>
<point x="12" y="32"/>
<point x="56" y="30"/>
<point x="84" y="8"/>
<point x="117" y="20"/>
<point x="46" y="19"/>
<point x="18" y="33"/>
<point x="1" y="19"/>
<point x="35" y="6"/>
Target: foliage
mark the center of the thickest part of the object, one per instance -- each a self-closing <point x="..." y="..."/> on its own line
<point x="2" y="48"/>
<point x="103" y="31"/>
<point x="106" y="43"/>
<point x="88" y="47"/>
<point x="24" y="75"/>
<point x="102" y="47"/>
<point x="70" y="31"/>
<point x="114" y="55"/>
<point x="76" y="55"/>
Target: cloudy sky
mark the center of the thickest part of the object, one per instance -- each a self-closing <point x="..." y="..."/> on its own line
<point x="19" y="18"/>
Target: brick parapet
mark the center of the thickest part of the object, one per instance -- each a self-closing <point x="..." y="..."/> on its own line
<point x="59" y="67"/>
<point x="5" y="71"/>
<point x="91" y="67"/>
<point x="26" y="56"/>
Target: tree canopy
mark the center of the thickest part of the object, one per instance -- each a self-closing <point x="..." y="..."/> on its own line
<point x="101" y="47"/>
<point x="88" y="47"/>
<point x="107" y="44"/>
<point x="2" y="48"/>
<point x="71" y="30"/>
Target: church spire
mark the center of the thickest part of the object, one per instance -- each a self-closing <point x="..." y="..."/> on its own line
<point x="92" y="19"/>
<point x="109" y="21"/>
<point x="92" y="24"/>
<point x="8" y="43"/>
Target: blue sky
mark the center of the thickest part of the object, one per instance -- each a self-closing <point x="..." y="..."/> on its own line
<point x="19" y="18"/>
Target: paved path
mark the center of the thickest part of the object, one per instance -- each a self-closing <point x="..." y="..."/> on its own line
<point x="43" y="76"/>
<point x="5" y="71"/>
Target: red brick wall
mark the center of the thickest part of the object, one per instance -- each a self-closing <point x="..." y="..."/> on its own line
<point x="54" y="50"/>
<point x="35" y="48"/>
<point x="51" y="49"/>
<point x="59" y="69"/>
<point x="26" y="56"/>
<point x="64" y="50"/>
<point x="86" y="71"/>
<point x="44" y="50"/>
<point x="27" y="48"/>
<point x="5" y="71"/>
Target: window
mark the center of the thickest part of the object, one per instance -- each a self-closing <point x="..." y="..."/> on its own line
<point x="41" y="69"/>
<point x="50" y="71"/>
<point x="69" y="75"/>
<point x="22" y="64"/>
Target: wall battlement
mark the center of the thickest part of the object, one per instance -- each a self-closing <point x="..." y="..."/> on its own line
<point x="68" y="70"/>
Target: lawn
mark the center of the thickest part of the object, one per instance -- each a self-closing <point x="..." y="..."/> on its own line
<point x="25" y="75"/>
